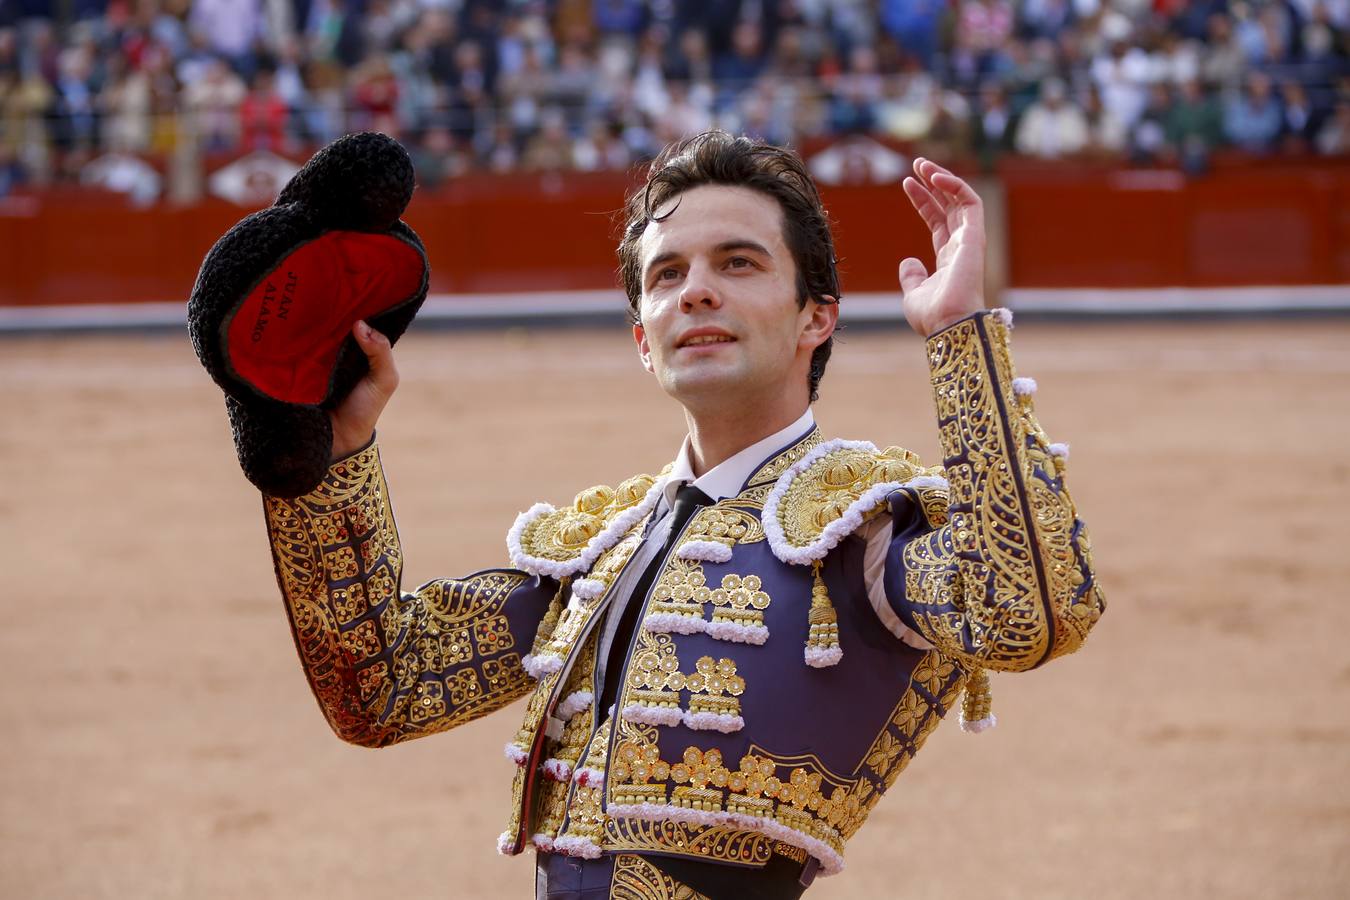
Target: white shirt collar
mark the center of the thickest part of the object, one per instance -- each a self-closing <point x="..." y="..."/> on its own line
<point x="725" y="478"/>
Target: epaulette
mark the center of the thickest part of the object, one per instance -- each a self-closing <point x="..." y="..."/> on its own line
<point x="560" y="543"/>
<point x="826" y="496"/>
<point x="837" y="487"/>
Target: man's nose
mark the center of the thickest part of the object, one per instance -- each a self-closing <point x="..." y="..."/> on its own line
<point x="699" y="290"/>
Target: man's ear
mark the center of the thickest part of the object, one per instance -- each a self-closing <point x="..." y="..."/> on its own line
<point x="644" y="350"/>
<point x="821" y="324"/>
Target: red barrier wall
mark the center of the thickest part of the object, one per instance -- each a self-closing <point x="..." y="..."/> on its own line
<point x="1068" y="226"/>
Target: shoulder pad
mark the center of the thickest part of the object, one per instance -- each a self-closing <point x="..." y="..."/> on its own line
<point x="834" y="490"/>
<point x="560" y="542"/>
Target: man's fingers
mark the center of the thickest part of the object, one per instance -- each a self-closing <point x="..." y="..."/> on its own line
<point x="928" y="208"/>
<point x="380" y="353"/>
<point x="912" y="274"/>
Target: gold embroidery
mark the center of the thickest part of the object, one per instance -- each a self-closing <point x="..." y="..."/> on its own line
<point x="725" y="524"/>
<point x="1006" y="583"/>
<point x="681" y="590"/>
<point x="771" y="470"/>
<point x="636" y="879"/>
<point x="740" y="600"/>
<point x="718" y="842"/>
<point x="386" y="667"/>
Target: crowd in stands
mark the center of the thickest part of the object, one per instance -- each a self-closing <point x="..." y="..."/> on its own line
<point x="513" y="85"/>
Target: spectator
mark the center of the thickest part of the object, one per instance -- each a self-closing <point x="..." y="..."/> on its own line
<point x="1334" y="138"/>
<point x="1106" y="133"/>
<point x="263" y="115"/>
<point x="229" y="27"/>
<point x="914" y="23"/>
<point x="1052" y="127"/>
<point x="1299" y="120"/>
<point x="993" y="128"/>
<point x="1252" y="117"/>
<point x="213" y="102"/>
<point x="1194" y="126"/>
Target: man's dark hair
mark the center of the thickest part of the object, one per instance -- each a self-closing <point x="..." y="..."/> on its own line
<point x="718" y="158"/>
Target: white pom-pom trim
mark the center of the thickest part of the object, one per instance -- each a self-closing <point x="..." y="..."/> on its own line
<point x="704" y="551"/>
<point x="831" y="862"/>
<point x="516" y="755"/>
<point x="542" y="842"/>
<point x="607" y="538"/>
<point x="506" y="842"/>
<point x="840" y="528"/>
<point x="673" y="623"/>
<point x="571" y="845"/>
<point x="979" y="725"/>
<point x="574" y="704"/>
<point x="537" y="666"/>
<point x="1059" y="450"/>
<point x="588" y="776"/>
<point x="558" y="770"/>
<point x="932" y="482"/>
<point x="822" y="657"/>
<point x="1004" y="315"/>
<point x="653" y="715"/>
<point x="711" y="721"/>
<point x="588" y="588"/>
<point x="737" y="633"/>
<point x="1024" y="387"/>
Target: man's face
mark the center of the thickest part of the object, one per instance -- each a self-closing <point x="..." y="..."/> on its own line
<point x="719" y="316"/>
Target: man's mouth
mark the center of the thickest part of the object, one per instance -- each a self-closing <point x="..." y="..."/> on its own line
<point x="701" y="339"/>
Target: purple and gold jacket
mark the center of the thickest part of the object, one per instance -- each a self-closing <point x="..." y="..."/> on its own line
<point x="763" y="708"/>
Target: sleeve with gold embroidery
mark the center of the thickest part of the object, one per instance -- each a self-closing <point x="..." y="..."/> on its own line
<point x="998" y="572"/>
<point x="385" y="665"/>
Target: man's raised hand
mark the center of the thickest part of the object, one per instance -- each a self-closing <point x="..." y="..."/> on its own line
<point x="954" y="215"/>
<point x="354" y="419"/>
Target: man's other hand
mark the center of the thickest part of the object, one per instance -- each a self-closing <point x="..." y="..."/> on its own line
<point x="354" y="419"/>
<point x="954" y="215"/>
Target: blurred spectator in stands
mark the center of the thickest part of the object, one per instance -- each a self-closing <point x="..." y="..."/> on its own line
<point x="523" y="92"/>
<point x="1052" y="127"/>
<point x="263" y="115"/>
<point x="11" y="172"/>
<point x="1045" y="18"/>
<point x="74" y="115"/>
<point x="436" y="158"/>
<point x="742" y="63"/>
<point x="230" y="28"/>
<point x="1252" y="116"/>
<point x="324" y="115"/>
<point x="1148" y="137"/>
<point x="620" y="16"/>
<point x="1194" y="126"/>
<point x="1298" y="118"/>
<point x="1122" y="77"/>
<point x="570" y="84"/>
<point x="1224" y="61"/>
<point x="983" y="28"/>
<point x="125" y="101"/>
<point x="213" y="101"/>
<point x="420" y="97"/>
<point x="550" y="149"/>
<point x="1334" y="137"/>
<point x="1106" y="133"/>
<point x="690" y="109"/>
<point x="915" y="24"/>
<point x="500" y="151"/>
<point x="690" y="62"/>
<point x="993" y="128"/>
<point x="602" y="148"/>
<point x="374" y="97"/>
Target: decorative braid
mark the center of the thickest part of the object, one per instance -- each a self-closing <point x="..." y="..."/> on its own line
<point x="550" y="621"/>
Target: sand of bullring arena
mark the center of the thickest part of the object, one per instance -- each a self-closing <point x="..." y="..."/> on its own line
<point x="160" y="739"/>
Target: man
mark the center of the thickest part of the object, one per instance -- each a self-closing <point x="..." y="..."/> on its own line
<point x="727" y="663"/>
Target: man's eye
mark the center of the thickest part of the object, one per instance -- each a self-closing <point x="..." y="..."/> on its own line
<point x="667" y="274"/>
<point x="739" y="262"/>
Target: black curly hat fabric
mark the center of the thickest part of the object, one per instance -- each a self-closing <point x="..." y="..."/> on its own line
<point x="273" y="307"/>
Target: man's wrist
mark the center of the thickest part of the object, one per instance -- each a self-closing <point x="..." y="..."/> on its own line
<point x="348" y="449"/>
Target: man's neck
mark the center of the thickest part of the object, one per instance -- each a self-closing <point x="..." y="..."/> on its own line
<point x="716" y="437"/>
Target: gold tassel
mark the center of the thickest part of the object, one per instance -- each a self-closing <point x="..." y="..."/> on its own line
<point x="550" y="621"/>
<point x="977" y="706"/>
<point x="822" y="642"/>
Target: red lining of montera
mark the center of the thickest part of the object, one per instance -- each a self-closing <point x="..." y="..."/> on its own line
<point x="285" y="337"/>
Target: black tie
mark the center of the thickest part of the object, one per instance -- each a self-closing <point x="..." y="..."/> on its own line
<point x="687" y="501"/>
